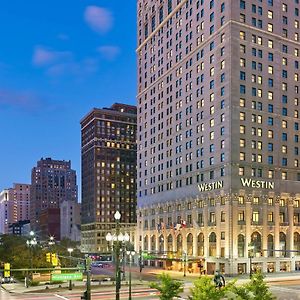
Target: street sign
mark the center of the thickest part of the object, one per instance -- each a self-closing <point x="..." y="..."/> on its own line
<point x="148" y="256"/>
<point x="66" y="276"/>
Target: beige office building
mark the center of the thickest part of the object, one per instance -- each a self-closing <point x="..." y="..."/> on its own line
<point x="218" y="134"/>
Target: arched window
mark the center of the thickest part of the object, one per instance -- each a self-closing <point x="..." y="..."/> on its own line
<point x="212" y="244"/>
<point x="170" y="243"/>
<point x="270" y="245"/>
<point x="153" y="243"/>
<point x="297" y="242"/>
<point x="241" y="245"/>
<point x="161" y="243"/>
<point x="189" y="242"/>
<point x="256" y="241"/>
<point x="282" y="244"/>
<point x="179" y="244"/>
<point x="200" y="244"/>
<point x="146" y="242"/>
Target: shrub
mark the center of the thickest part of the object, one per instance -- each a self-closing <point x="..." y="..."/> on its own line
<point x="168" y="287"/>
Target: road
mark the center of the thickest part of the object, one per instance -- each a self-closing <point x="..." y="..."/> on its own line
<point x="147" y="294"/>
<point x="286" y="290"/>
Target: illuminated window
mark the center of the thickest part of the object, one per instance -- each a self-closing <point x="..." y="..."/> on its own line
<point x="270" y="44"/>
<point x="270" y="69"/>
<point x="241" y="200"/>
<point x="242" y="156"/>
<point x="284" y="175"/>
<point x="255" y="216"/>
<point x="270" y="14"/>
<point x="271" y="174"/>
<point x="241" y="171"/>
<point x="270" y="27"/>
<point x="270" y="201"/>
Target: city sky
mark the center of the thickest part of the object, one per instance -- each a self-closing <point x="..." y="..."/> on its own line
<point x="58" y="60"/>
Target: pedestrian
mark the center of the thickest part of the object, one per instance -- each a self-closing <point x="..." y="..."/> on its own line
<point x="219" y="279"/>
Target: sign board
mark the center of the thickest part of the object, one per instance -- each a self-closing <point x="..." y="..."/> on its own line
<point x="257" y="184"/>
<point x="206" y="187"/>
<point x="66" y="276"/>
<point x="148" y="256"/>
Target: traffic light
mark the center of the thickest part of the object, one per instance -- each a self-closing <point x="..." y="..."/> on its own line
<point x="54" y="259"/>
<point x="7" y="270"/>
<point x="48" y="257"/>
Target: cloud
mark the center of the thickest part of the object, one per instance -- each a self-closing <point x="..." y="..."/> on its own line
<point x="109" y="52"/>
<point x="23" y="100"/>
<point x="44" y="57"/>
<point x="73" y="68"/>
<point x="99" y="19"/>
<point x="57" y="64"/>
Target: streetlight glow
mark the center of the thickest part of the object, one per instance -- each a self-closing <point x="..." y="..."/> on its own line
<point x="126" y="237"/>
<point x="70" y="250"/>
<point x="109" y="237"/>
<point x="117" y="215"/>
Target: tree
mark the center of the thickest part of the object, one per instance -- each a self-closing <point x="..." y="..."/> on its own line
<point x="168" y="287"/>
<point x="258" y="288"/>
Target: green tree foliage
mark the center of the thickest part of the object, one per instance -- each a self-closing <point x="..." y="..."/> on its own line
<point x="168" y="287"/>
<point x="205" y="289"/>
<point x="14" y="250"/>
<point x="258" y="289"/>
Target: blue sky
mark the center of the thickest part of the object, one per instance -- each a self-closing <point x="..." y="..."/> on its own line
<point x="58" y="60"/>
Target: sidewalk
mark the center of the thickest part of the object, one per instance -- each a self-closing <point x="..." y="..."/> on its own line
<point x="269" y="277"/>
<point x="19" y="287"/>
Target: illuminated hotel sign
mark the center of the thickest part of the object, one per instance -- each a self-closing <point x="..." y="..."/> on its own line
<point x="257" y="184"/>
<point x="206" y="187"/>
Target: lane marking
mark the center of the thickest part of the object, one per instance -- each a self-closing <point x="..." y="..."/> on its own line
<point x="61" y="297"/>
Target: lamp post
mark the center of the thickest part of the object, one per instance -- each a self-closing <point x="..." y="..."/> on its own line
<point x="31" y="243"/>
<point x="130" y="254"/>
<point x="117" y="239"/>
<point x="184" y="259"/>
<point x="251" y="255"/>
<point x="141" y="265"/>
<point x="70" y="250"/>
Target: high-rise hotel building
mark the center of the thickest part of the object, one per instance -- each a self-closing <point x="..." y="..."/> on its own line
<point x="108" y="154"/>
<point x="218" y="133"/>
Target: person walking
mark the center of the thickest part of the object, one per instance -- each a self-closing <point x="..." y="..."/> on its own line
<point x="219" y="279"/>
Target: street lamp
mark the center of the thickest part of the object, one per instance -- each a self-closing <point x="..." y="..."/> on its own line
<point x="70" y="250"/>
<point x="31" y="243"/>
<point x="184" y="259"/>
<point x="251" y="255"/>
<point x="51" y="241"/>
<point x="130" y="254"/>
<point x="117" y="239"/>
